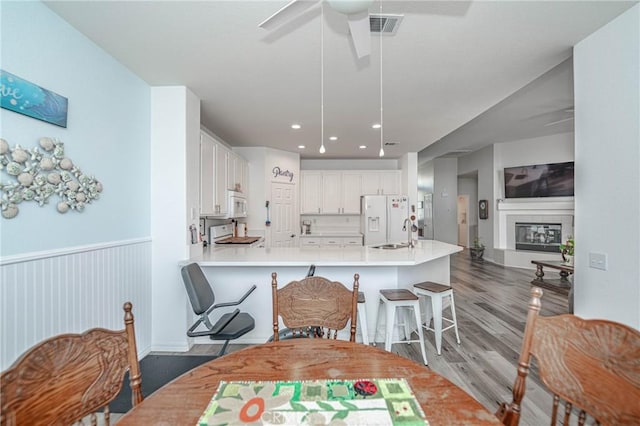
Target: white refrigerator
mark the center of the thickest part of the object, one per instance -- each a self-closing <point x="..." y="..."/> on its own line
<point x="382" y="218"/>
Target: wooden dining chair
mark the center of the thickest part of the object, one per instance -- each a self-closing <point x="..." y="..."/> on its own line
<point x="68" y="377"/>
<point x="592" y="367"/>
<point x="315" y="307"/>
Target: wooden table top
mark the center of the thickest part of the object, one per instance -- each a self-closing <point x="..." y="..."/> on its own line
<point x="183" y="400"/>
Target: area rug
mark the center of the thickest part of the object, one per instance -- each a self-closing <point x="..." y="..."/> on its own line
<point x="156" y="370"/>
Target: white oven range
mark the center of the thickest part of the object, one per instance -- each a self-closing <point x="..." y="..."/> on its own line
<point x="222" y="235"/>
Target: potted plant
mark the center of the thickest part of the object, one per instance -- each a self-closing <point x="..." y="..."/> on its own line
<point x="567" y="250"/>
<point x="477" y="250"/>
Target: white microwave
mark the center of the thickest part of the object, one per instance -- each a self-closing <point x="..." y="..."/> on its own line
<point x="237" y="205"/>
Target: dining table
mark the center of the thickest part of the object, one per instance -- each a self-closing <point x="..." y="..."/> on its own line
<point x="183" y="400"/>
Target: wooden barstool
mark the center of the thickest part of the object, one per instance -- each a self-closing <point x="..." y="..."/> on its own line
<point x="437" y="293"/>
<point x="362" y="318"/>
<point x="400" y="298"/>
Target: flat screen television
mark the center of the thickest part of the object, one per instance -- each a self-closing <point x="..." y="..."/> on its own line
<point x="540" y="180"/>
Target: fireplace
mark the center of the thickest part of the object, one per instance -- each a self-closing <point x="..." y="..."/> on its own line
<point x="545" y="237"/>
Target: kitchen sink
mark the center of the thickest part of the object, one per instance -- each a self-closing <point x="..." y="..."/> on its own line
<point x="392" y="246"/>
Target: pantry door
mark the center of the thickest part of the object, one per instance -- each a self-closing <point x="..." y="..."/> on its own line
<point x="283" y="230"/>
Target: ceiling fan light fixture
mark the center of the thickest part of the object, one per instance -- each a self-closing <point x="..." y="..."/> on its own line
<point x="322" y="150"/>
<point x="381" y="153"/>
<point x="350" y="6"/>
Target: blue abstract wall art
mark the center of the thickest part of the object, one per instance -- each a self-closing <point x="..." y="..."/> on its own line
<point x="26" y="98"/>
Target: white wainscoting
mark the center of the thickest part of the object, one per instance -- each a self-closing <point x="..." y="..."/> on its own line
<point x="71" y="290"/>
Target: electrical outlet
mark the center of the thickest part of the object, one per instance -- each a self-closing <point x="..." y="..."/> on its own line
<point x="598" y="261"/>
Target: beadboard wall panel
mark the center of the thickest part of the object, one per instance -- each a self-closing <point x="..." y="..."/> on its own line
<point x="70" y="291"/>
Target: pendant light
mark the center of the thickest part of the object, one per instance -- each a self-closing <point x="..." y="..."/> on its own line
<point x="322" y="150"/>
<point x="381" y="153"/>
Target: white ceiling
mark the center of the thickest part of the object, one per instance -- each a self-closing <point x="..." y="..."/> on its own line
<point x="449" y="62"/>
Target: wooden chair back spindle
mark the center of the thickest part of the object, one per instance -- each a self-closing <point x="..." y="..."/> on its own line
<point x="71" y="376"/>
<point x="591" y="366"/>
<point x="315" y="306"/>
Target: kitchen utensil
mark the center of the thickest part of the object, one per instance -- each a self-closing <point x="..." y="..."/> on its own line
<point x="268" y="222"/>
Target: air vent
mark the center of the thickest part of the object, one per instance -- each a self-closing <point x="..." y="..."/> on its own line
<point x="384" y="24"/>
<point x="391" y="143"/>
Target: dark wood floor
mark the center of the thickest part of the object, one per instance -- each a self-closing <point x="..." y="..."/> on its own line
<point x="491" y="304"/>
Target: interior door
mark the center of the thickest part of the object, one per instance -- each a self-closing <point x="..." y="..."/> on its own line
<point x="463" y="220"/>
<point x="282" y="215"/>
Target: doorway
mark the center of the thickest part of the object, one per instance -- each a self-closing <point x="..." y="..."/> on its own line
<point x="463" y="220"/>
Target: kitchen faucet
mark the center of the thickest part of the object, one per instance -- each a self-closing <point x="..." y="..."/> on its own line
<point x="408" y="229"/>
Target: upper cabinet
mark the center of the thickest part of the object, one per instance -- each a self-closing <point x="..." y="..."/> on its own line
<point x="311" y="192"/>
<point x="220" y="170"/>
<point x="383" y="182"/>
<point x="338" y="192"/>
<point x="237" y="172"/>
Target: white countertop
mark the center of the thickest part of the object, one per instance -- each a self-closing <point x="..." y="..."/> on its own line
<point x="332" y="234"/>
<point x="425" y="251"/>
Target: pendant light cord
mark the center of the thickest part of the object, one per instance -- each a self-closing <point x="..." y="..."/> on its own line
<point x="322" y="149"/>
<point x="381" y="153"/>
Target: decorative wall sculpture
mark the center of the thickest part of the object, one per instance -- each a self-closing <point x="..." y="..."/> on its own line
<point x="37" y="175"/>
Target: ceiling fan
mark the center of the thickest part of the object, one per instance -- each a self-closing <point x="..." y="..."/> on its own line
<point x="357" y="12"/>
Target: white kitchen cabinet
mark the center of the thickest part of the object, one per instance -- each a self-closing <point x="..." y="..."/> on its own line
<point x="311" y="192"/>
<point x="329" y="242"/>
<point x="237" y="171"/>
<point x="381" y="182"/>
<point x="351" y="192"/>
<point x="213" y="177"/>
<point x="352" y="241"/>
<point x="310" y="242"/>
<point x="389" y="182"/>
<point x="331" y="193"/>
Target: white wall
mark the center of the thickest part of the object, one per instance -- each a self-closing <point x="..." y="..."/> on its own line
<point x="68" y="273"/>
<point x="409" y="177"/>
<point x="445" y="200"/>
<point x="481" y="163"/>
<point x="607" y="105"/>
<point x="175" y="136"/>
<point x="349" y="164"/>
<point x="107" y="133"/>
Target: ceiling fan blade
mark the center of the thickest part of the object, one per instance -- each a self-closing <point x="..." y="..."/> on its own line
<point x="360" y="33"/>
<point x="285" y="13"/>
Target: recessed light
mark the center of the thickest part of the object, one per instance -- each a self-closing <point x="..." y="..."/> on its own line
<point x="362" y="147"/>
<point x="296" y="126"/>
<point x="333" y="138"/>
<point x="376" y="126"/>
<point x="301" y="146"/>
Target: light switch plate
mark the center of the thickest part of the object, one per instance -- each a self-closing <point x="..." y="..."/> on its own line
<point x="598" y="261"/>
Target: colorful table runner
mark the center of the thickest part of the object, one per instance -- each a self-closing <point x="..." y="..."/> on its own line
<point x="319" y="402"/>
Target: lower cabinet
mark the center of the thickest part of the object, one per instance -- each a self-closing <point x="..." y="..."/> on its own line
<point x="330" y="241"/>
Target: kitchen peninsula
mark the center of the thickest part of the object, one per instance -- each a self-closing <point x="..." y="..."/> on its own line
<point x="231" y="271"/>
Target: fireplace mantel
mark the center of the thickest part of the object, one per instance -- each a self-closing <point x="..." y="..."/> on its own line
<point x="535" y="210"/>
<point x="535" y="204"/>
